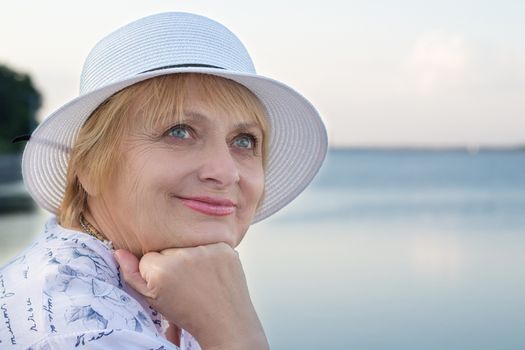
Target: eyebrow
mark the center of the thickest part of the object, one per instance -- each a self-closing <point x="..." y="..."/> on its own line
<point x="191" y="114"/>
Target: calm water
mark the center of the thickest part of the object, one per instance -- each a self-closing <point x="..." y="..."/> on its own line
<point x="387" y="250"/>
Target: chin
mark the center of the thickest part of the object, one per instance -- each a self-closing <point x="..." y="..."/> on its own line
<point x="213" y="232"/>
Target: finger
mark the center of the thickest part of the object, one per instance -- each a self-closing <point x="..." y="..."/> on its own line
<point x="129" y="269"/>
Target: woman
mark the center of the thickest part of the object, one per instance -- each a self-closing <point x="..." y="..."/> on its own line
<point x="154" y="174"/>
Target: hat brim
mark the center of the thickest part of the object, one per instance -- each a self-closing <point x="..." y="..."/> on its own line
<point x="297" y="147"/>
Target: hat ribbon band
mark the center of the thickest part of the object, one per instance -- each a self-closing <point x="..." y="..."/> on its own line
<point x="198" y="65"/>
<point x="20" y="138"/>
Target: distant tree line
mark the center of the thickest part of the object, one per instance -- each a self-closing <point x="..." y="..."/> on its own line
<point x="19" y="102"/>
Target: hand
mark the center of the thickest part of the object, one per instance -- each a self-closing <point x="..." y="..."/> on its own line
<point x="201" y="289"/>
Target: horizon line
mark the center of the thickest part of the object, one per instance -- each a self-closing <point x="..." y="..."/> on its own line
<point x="464" y="148"/>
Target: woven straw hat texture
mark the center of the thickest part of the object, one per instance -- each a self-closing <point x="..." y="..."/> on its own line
<point x="171" y="43"/>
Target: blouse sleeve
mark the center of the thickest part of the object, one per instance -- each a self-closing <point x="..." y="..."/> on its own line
<point x="87" y="306"/>
<point x="104" y="339"/>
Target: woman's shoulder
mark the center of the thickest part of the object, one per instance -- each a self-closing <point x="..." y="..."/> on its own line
<point x="72" y="253"/>
<point x="57" y="250"/>
<point x="67" y="282"/>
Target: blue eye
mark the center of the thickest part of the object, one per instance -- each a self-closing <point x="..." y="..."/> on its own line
<point x="245" y="141"/>
<point x="180" y="132"/>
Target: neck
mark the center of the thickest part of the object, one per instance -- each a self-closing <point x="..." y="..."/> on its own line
<point x="105" y="222"/>
<point x="88" y="228"/>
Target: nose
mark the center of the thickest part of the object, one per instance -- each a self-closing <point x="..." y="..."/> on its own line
<point x="219" y="167"/>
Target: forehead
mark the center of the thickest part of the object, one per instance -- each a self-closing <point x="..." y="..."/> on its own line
<point x="169" y="99"/>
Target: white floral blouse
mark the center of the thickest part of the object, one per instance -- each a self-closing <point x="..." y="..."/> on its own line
<point x="65" y="292"/>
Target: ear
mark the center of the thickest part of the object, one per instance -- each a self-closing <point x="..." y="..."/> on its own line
<point x="85" y="183"/>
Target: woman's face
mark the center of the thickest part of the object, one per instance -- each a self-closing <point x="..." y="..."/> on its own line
<point x="190" y="183"/>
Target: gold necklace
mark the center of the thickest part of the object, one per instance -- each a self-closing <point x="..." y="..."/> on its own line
<point x="92" y="231"/>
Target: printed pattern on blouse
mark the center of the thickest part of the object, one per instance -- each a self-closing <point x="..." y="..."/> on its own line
<point x="65" y="292"/>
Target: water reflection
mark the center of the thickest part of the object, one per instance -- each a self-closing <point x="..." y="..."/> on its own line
<point x="348" y="287"/>
<point x="437" y="256"/>
<point x="426" y="255"/>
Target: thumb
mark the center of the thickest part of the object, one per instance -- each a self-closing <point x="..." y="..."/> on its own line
<point x="129" y="270"/>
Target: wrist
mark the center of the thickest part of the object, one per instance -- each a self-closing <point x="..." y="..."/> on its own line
<point x="256" y="343"/>
<point x="253" y="339"/>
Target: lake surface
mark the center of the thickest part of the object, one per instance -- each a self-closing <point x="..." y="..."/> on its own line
<point x="386" y="250"/>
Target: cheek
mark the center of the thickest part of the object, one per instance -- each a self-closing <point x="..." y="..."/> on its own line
<point x="260" y="187"/>
<point x="143" y="184"/>
<point x="254" y="181"/>
<point x="144" y="198"/>
<point x="157" y="169"/>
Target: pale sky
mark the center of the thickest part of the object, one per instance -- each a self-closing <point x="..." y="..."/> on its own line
<point x="381" y="73"/>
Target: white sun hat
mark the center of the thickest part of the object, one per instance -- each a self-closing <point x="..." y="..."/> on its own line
<point x="169" y="43"/>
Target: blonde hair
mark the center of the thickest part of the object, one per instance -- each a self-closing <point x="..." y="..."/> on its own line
<point x="95" y="154"/>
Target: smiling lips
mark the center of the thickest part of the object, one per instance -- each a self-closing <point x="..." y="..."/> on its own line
<point x="209" y="205"/>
